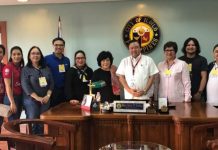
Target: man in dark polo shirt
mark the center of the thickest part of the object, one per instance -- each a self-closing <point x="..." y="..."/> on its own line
<point x="58" y="64"/>
<point x="197" y="67"/>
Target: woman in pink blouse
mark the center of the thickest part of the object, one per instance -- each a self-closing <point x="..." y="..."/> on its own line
<point x="174" y="84"/>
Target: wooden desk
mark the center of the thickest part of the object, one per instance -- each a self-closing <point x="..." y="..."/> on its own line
<point x="186" y="116"/>
<point x="95" y="130"/>
<point x="134" y="145"/>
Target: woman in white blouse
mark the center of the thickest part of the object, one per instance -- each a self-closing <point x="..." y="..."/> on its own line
<point x="212" y="83"/>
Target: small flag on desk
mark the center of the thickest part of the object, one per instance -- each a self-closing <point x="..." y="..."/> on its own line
<point x="59" y="28"/>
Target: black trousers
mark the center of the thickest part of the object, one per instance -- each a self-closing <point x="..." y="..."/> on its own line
<point x="57" y="97"/>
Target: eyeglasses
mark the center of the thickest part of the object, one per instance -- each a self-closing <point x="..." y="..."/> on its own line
<point x="35" y="53"/>
<point x="80" y="57"/>
<point x="169" y="50"/>
<point x="59" y="45"/>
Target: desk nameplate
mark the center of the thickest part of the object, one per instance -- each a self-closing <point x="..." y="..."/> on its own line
<point x="130" y="106"/>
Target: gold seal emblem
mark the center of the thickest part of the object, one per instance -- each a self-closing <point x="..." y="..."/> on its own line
<point x="143" y="29"/>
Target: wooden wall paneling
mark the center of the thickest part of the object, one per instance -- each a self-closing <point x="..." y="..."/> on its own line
<point x="106" y="131"/>
<point x="152" y="131"/>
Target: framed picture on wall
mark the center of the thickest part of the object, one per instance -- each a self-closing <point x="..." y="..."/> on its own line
<point x="3" y="39"/>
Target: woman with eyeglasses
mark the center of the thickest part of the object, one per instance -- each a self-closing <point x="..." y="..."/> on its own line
<point x="77" y="78"/>
<point x="37" y="84"/>
<point x="174" y="83"/>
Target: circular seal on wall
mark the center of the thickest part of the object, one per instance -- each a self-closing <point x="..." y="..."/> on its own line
<point x="143" y="29"/>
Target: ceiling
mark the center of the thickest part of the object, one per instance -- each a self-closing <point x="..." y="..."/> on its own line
<point x="14" y="2"/>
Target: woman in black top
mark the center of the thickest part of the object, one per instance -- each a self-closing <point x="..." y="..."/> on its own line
<point x="77" y="78"/>
<point x="105" y="60"/>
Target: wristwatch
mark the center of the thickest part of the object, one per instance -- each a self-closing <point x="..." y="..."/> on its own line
<point x="145" y="92"/>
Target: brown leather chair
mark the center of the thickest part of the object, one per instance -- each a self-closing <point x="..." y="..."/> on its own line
<point x="27" y="142"/>
<point x="58" y="135"/>
<point x="204" y="137"/>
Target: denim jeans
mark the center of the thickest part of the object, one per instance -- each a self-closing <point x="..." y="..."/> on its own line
<point x="33" y="110"/>
<point x="18" y="102"/>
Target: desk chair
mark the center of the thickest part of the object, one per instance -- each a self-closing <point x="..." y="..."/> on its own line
<point x="27" y="142"/>
<point x="204" y="137"/>
<point x="62" y="134"/>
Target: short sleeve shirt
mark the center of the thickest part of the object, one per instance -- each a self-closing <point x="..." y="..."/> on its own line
<point x="137" y="80"/>
<point x="10" y="71"/>
<point x="196" y="66"/>
<point x="212" y="87"/>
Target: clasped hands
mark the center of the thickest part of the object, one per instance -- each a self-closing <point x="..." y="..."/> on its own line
<point x="137" y="93"/>
<point x="74" y="102"/>
<point x="43" y="100"/>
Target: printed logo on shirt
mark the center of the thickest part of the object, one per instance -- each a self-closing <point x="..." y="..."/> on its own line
<point x="17" y="84"/>
<point x="143" y="29"/>
<point x="7" y="71"/>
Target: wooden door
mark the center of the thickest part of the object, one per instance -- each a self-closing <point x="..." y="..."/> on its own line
<point x="3" y="39"/>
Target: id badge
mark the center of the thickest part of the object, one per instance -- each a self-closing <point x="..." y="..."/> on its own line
<point x="84" y="79"/>
<point x="61" y="68"/>
<point x="42" y="82"/>
<point x="214" y="72"/>
<point x="132" y="83"/>
<point x="190" y="67"/>
<point x="167" y="73"/>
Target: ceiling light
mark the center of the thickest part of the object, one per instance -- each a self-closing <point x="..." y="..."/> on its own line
<point x="141" y="6"/>
<point x="22" y="1"/>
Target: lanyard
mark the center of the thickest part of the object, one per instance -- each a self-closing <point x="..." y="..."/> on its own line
<point x="39" y="71"/>
<point x="134" y="66"/>
<point x="170" y="66"/>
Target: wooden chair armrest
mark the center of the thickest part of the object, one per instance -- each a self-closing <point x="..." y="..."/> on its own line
<point x="27" y="139"/>
<point x="212" y="144"/>
<point x="10" y="126"/>
<point x="205" y="126"/>
<point x="60" y="133"/>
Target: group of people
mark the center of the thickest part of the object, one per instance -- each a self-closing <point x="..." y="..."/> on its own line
<point x="32" y="86"/>
<point x="188" y="78"/>
<point x="45" y="82"/>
